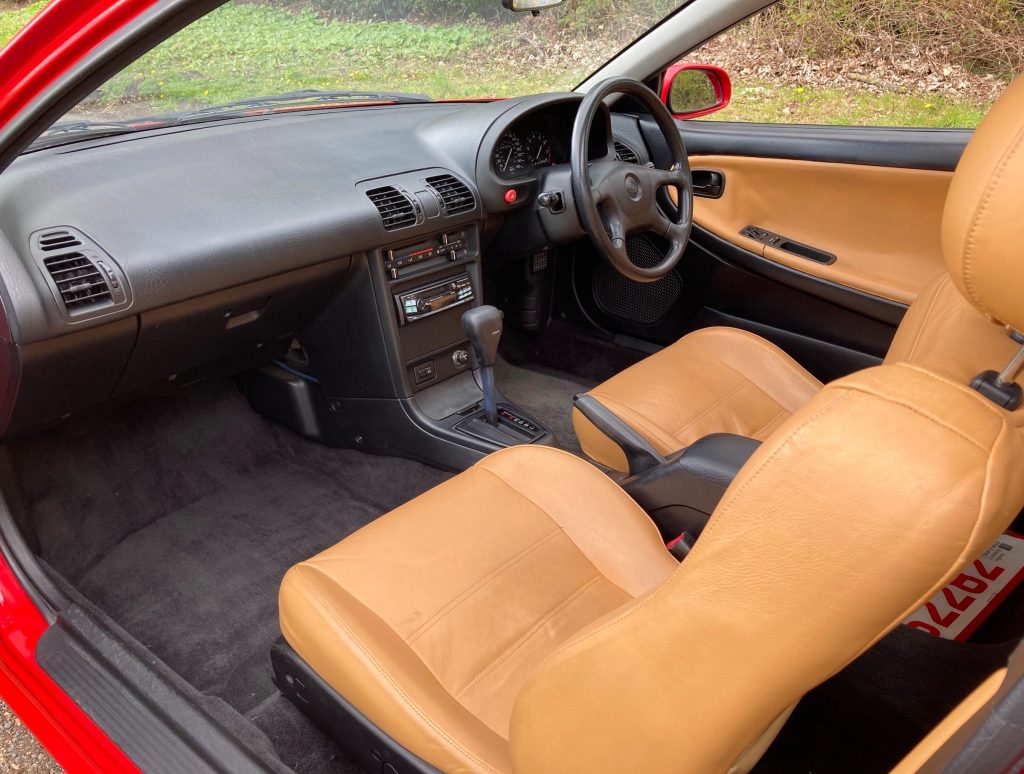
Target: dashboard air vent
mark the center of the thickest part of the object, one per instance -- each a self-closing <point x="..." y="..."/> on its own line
<point x="80" y="283"/>
<point x="396" y="209"/>
<point x="58" y="240"/>
<point x="624" y="153"/>
<point x="455" y="195"/>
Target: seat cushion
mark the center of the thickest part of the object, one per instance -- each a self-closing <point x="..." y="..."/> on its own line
<point x="715" y="380"/>
<point x="431" y="619"/>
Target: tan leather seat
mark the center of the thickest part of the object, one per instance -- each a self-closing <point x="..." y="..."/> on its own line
<point x="725" y="380"/>
<point x="525" y="617"/>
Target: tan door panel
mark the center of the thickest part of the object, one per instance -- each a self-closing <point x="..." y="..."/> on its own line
<point x="881" y="223"/>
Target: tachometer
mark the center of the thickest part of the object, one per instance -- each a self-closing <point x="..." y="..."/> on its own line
<point x="538" y="149"/>
<point x="510" y="156"/>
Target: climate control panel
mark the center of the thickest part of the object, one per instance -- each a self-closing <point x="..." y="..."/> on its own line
<point x="446" y="247"/>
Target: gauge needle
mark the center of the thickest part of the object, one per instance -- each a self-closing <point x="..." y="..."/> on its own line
<point x="540" y="152"/>
<point x="508" y="159"/>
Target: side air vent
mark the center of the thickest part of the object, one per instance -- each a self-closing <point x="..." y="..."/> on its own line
<point x="84" y="280"/>
<point x="396" y="209"/>
<point x="455" y="195"/>
<point x="79" y="282"/>
<point x="58" y="240"/>
<point x="624" y="153"/>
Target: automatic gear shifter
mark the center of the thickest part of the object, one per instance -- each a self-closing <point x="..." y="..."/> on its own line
<point x="482" y="326"/>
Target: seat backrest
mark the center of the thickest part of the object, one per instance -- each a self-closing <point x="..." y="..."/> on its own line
<point x="854" y="512"/>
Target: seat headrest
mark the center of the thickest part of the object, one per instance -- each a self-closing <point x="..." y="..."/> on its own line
<point x="983" y="223"/>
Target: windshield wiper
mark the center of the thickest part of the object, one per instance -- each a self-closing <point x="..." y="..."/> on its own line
<point x="294" y="99"/>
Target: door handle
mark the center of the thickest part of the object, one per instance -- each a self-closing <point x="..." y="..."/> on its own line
<point x="709" y="183"/>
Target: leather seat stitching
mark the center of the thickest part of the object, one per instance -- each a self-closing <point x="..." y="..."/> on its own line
<point x="982" y="208"/>
<point x="927" y="316"/>
<point x="722" y="399"/>
<point x="553" y="521"/>
<point x="395" y="685"/>
<point x="524" y="638"/>
<point x="781" y="413"/>
<point x="464" y="595"/>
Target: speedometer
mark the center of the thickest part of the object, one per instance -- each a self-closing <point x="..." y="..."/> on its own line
<point x="510" y="156"/>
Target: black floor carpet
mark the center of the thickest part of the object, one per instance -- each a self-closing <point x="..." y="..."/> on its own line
<point x="179" y="515"/>
<point x="544" y="393"/>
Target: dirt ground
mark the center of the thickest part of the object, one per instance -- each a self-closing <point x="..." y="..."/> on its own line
<point x="19" y="750"/>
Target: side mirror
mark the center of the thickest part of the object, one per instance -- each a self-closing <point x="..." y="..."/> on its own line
<point x="693" y="90"/>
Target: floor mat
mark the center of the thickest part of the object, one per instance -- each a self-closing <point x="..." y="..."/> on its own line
<point x="179" y="515"/>
<point x="546" y="394"/>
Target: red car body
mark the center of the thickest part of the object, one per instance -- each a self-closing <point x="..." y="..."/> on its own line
<point x="52" y="43"/>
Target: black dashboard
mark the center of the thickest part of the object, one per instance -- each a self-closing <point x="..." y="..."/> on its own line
<point x="139" y="260"/>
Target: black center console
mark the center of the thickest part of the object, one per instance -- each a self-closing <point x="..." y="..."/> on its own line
<point x="394" y="371"/>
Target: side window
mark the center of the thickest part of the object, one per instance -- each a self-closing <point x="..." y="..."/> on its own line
<point x="912" y="63"/>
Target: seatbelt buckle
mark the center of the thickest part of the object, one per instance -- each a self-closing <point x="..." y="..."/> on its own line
<point x="681" y="546"/>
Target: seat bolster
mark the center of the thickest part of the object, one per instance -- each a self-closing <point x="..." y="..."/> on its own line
<point x="944" y="333"/>
<point x="594" y="512"/>
<point x="712" y="380"/>
<point x="362" y="658"/>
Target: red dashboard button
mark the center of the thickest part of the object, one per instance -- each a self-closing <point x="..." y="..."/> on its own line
<point x="511" y="196"/>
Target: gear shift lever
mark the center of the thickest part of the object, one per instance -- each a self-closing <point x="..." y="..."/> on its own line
<point x="482" y="326"/>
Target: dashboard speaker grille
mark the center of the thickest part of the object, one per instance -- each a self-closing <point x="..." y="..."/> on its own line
<point x="396" y="209"/>
<point x="80" y="283"/>
<point x="455" y="195"/>
<point x="624" y="153"/>
<point x="639" y="303"/>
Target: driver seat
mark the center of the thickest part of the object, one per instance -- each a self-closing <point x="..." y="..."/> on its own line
<point x="725" y="380"/>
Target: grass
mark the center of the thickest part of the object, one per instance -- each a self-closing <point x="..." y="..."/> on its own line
<point x="245" y="50"/>
<point x="765" y="102"/>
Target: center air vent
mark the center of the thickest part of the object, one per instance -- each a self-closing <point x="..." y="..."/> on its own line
<point x="84" y="280"/>
<point x="396" y="209"/>
<point x="455" y="195"/>
<point x="624" y="153"/>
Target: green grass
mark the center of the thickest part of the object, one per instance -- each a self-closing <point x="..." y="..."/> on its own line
<point x="769" y="103"/>
<point x="245" y="50"/>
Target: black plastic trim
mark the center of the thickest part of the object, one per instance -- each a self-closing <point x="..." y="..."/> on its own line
<point x="929" y="149"/>
<point x="340" y="719"/>
<point x="157" y="727"/>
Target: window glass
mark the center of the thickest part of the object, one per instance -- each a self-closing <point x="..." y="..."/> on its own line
<point x="915" y="63"/>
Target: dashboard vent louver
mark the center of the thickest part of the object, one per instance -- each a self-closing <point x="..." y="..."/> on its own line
<point x="455" y="195"/>
<point x="396" y="209"/>
<point x="624" y="153"/>
<point x="58" y="240"/>
<point x="80" y="283"/>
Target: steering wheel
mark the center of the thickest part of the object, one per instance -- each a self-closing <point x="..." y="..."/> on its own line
<point x="616" y="199"/>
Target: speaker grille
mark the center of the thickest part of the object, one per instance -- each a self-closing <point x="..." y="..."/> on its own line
<point x="640" y="303"/>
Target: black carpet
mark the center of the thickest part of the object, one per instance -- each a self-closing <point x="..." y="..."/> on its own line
<point x="179" y="515"/>
<point x="544" y="393"/>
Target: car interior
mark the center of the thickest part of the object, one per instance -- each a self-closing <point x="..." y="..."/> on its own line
<point x="548" y="433"/>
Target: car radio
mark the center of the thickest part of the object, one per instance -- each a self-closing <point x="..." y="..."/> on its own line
<point x="430" y="299"/>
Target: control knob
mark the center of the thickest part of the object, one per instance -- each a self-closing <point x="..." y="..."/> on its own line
<point x="460" y="357"/>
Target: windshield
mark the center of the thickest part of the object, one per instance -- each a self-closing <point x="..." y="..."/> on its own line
<point x="313" y="53"/>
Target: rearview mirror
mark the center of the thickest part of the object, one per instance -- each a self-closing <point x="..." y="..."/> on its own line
<point x="530" y="5"/>
<point x="693" y="90"/>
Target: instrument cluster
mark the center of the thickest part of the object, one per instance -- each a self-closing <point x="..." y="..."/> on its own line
<point x="520" y="150"/>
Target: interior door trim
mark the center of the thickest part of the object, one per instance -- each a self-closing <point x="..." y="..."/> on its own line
<point x="875" y="307"/>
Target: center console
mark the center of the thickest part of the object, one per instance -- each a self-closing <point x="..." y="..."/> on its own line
<point x="395" y="371"/>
